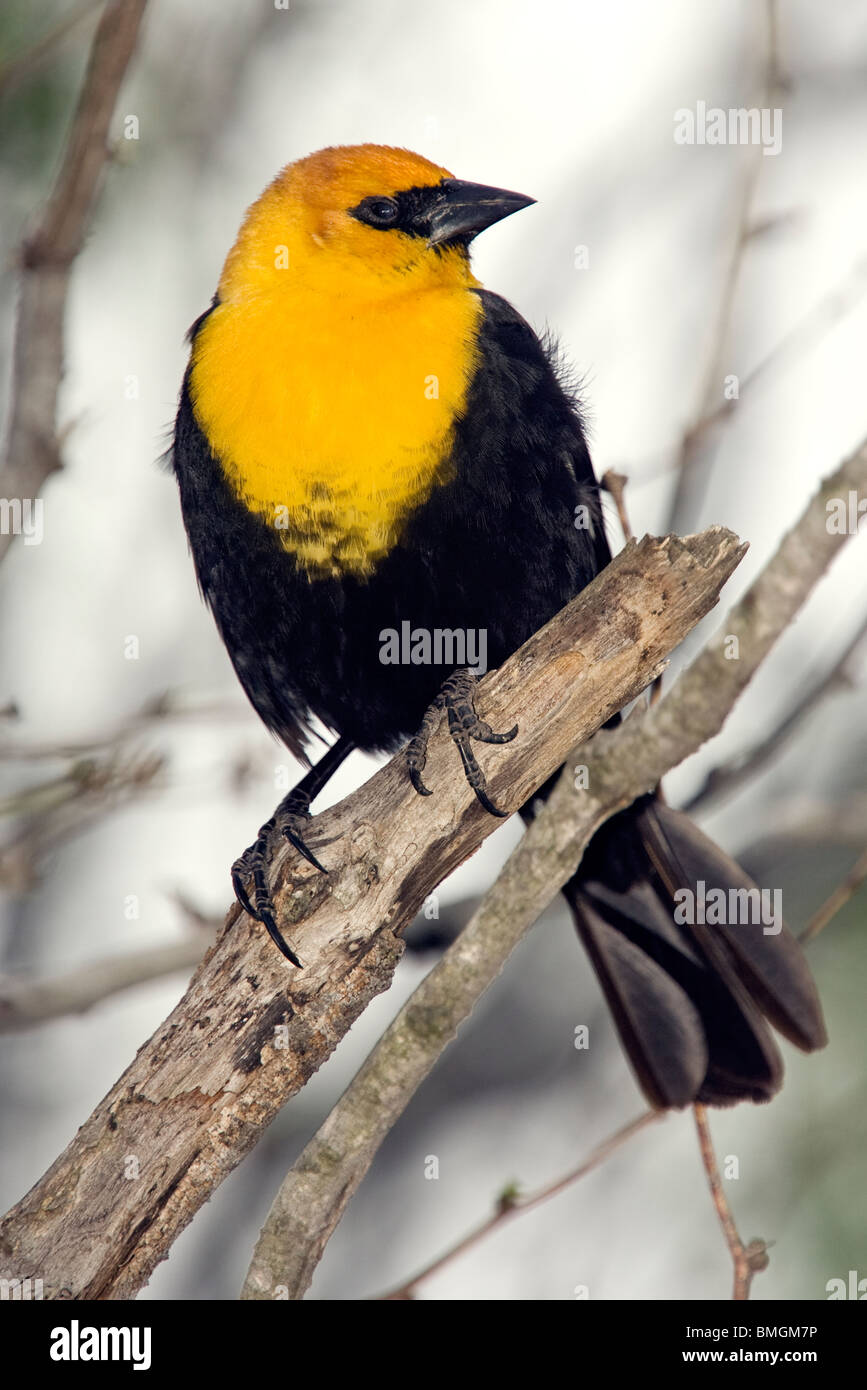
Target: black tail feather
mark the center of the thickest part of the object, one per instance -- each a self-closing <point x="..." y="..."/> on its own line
<point x="766" y="956"/>
<point x="690" y="999"/>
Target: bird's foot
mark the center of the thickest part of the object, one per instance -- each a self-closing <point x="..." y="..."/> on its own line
<point x="457" y="698"/>
<point x="250" y="871"/>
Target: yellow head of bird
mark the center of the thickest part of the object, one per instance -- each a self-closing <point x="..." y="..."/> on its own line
<point x="362" y="218"/>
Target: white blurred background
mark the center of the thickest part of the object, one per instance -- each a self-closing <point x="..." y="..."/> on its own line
<point x="573" y="102"/>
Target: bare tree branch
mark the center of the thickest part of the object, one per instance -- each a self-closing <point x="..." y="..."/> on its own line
<point x="32" y="450"/>
<point x="827" y="311"/>
<point x="99" y="773"/>
<point x="622" y="763"/>
<point x="250" y="1030"/>
<point x="157" y="710"/>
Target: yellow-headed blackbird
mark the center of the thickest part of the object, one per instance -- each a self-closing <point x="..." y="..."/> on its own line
<point x="368" y="439"/>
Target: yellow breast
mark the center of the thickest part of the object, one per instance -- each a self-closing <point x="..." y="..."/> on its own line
<point x="332" y="415"/>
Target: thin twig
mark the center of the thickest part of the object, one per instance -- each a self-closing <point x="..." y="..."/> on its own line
<point x="512" y="1203"/>
<point x="97" y="771"/>
<point x="683" y="502"/>
<point x="839" y="898"/>
<point x="748" y="1260"/>
<point x="615" y="484"/>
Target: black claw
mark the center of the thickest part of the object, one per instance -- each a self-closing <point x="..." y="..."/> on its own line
<point x="485" y="734"/>
<point x="261" y="912"/>
<point x="476" y="777"/>
<point x="288" y="819"/>
<point x="240" y="890"/>
<point x="276" y="936"/>
<point x="415" y="778"/>
<point x="252" y="867"/>
<point x="482" y="796"/>
<point x="296" y="841"/>
<point x="456" y="698"/>
<point x="250" y="871"/>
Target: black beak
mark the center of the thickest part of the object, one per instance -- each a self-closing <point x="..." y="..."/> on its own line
<point x="465" y="209"/>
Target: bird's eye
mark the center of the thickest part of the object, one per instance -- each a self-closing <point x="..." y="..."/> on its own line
<point x="378" y="212"/>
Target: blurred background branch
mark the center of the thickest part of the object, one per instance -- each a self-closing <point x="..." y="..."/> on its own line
<point x="22" y="66"/>
<point x="693" y="455"/>
<point x="724" y="779"/>
<point x="25" y="1003"/>
<point x="32" y="448"/>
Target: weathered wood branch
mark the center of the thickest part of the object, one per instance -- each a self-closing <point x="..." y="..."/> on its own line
<point x="251" y="1030"/>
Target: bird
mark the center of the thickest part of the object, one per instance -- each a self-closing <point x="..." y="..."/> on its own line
<point x="367" y="438"/>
